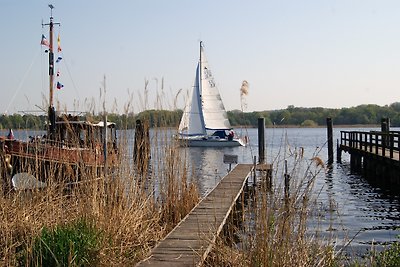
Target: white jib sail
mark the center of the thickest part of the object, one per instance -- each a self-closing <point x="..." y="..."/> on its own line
<point x="215" y="116"/>
<point x="192" y="122"/>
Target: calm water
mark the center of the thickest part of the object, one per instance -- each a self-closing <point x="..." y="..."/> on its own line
<point x="348" y="206"/>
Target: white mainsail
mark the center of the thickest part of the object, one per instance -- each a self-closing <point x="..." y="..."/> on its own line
<point x="192" y="122"/>
<point x="214" y="113"/>
<point x="204" y="111"/>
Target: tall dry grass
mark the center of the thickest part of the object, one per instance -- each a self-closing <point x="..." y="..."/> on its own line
<point x="131" y="210"/>
<point x="273" y="230"/>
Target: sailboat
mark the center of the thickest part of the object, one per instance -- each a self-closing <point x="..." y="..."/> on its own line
<point x="204" y="121"/>
<point x="70" y="147"/>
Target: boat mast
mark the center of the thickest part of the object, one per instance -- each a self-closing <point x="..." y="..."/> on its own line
<point x="51" y="111"/>
<point x="201" y="69"/>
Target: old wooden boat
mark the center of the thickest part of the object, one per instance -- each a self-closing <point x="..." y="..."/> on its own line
<point x="69" y="149"/>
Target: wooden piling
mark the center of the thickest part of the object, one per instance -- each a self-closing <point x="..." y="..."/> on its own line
<point x="385" y="128"/>
<point x="105" y="145"/>
<point x="141" y="151"/>
<point x="287" y="185"/>
<point x="385" y="125"/>
<point x="330" y="140"/>
<point x="261" y="140"/>
<point x="254" y="171"/>
<point x="338" y="152"/>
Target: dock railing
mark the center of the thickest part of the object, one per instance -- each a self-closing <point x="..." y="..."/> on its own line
<point x="375" y="142"/>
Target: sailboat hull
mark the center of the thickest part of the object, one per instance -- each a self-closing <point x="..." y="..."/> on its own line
<point x="211" y="142"/>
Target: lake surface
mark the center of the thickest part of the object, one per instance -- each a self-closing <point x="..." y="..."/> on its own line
<point x="348" y="206"/>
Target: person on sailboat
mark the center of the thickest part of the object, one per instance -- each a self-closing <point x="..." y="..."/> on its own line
<point x="231" y="135"/>
<point x="220" y="133"/>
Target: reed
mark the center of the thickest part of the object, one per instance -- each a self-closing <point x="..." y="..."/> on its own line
<point x="128" y="211"/>
<point x="273" y="230"/>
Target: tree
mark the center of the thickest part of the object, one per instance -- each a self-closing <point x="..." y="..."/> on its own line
<point x="309" y="123"/>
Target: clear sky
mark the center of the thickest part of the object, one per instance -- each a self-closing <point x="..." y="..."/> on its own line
<point x="302" y="53"/>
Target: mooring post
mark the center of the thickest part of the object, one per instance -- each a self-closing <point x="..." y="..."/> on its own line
<point x="338" y="152"/>
<point x="385" y="124"/>
<point x="330" y="140"/>
<point x="254" y="170"/>
<point x="141" y="149"/>
<point x="268" y="179"/>
<point x="105" y="145"/>
<point x="385" y="128"/>
<point x="261" y="140"/>
<point x="287" y="184"/>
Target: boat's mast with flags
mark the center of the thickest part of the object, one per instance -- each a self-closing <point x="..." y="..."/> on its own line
<point x="51" y="111"/>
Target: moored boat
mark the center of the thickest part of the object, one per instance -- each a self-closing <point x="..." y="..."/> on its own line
<point x="70" y="147"/>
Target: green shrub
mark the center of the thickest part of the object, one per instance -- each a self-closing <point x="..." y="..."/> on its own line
<point x="389" y="257"/>
<point x="74" y="244"/>
<point x="309" y="123"/>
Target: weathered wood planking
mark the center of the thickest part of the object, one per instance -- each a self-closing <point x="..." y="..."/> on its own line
<point x="192" y="239"/>
<point x="373" y="150"/>
<point x="385" y="145"/>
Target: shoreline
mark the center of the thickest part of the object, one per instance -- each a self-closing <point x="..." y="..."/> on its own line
<point x="317" y="126"/>
<point x="245" y="126"/>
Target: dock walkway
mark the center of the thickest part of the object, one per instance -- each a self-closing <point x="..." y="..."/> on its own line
<point x="373" y="154"/>
<point x="189" y="243"/>
<point x="385" y="146"/>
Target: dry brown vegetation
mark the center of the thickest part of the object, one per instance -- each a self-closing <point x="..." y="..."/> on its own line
<point x="274" y="225"/>
<point x="129" y="213"/>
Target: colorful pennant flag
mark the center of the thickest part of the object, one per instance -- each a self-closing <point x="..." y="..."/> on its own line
<point x="59" y="85"/>
<point x="44" y="41"/>
<point x="58" y="59"/>
<point x="59" y="43"/>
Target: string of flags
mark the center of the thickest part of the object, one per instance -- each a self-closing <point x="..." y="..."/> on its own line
<point x="58" y="44"/>
<point x="46" y="43"/>
<point x="59" y="85"/>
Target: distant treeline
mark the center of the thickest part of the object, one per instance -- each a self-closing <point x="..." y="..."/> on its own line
<point x="296" y="116"/>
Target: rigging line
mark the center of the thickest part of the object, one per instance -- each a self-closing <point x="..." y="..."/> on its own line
<point x="42" y="73"/>
<point x="69" y="74"/>
<point x="22" y="82"/>
<point x="66" y="65"/>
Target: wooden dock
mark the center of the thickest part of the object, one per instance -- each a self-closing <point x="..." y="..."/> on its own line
<point x="189" y="243"/>
<point x="378" y="144"/>
<point x="375" y="154"/>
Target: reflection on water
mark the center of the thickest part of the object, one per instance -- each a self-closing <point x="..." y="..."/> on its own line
<point x="365" y="213"/>
<point x="347" y="205"/>
<point x="208" y="165"/>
